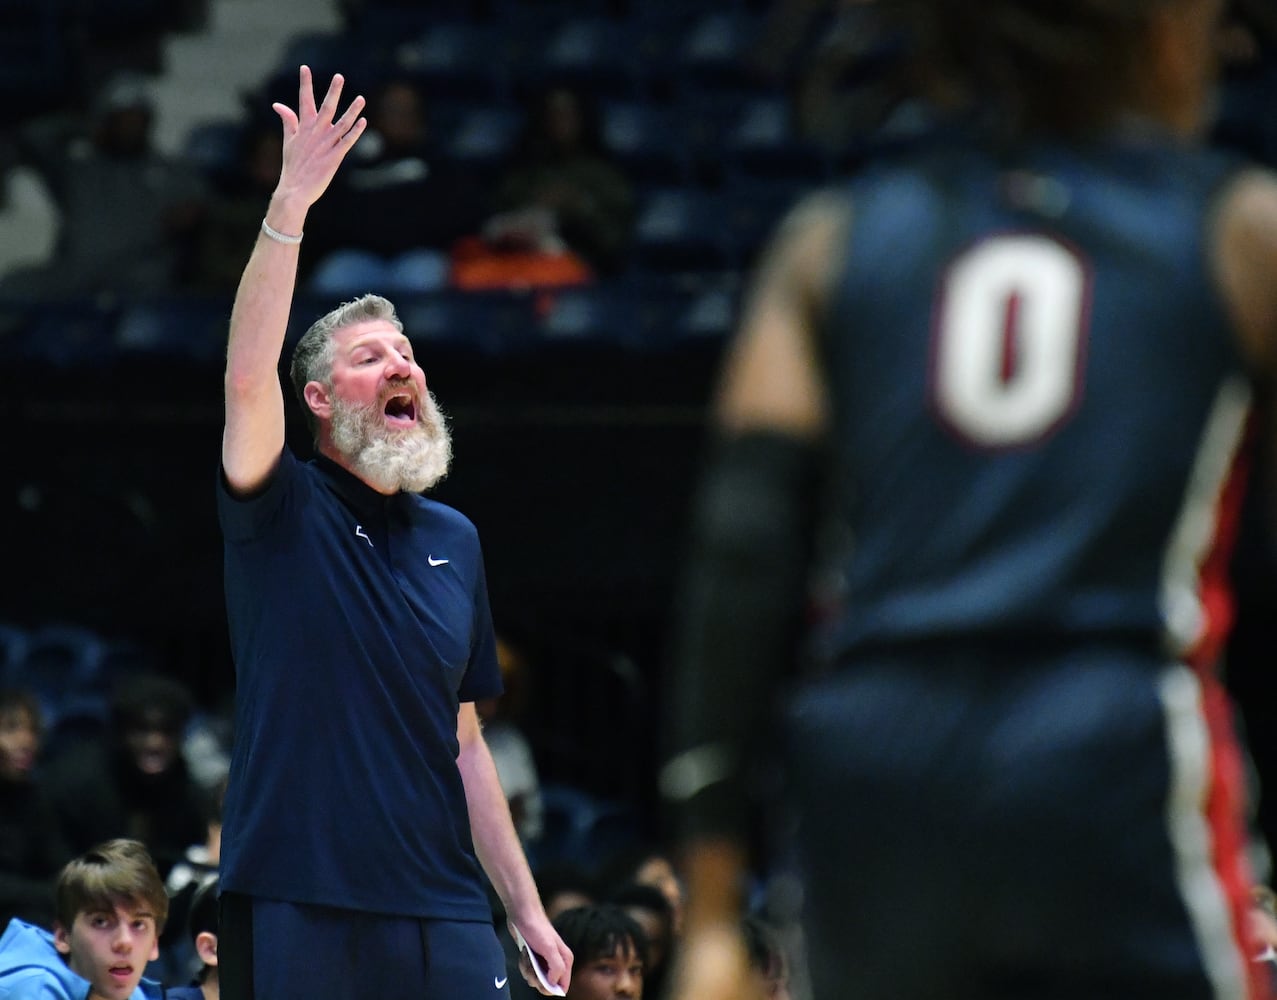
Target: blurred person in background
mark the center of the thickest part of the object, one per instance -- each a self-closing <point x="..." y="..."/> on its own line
<point x="32" y="848"/>
<point x="999" y="388"/>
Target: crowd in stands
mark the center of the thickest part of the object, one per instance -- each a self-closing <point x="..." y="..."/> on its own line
<point x="641" y="146"/>
<point x="638" y="149"/>
<point x="128" y="765"/>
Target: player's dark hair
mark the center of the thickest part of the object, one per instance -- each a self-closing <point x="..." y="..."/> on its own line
<point x="1059" y="65"/>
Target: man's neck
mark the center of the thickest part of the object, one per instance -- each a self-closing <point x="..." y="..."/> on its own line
<point x="325" y="447"/>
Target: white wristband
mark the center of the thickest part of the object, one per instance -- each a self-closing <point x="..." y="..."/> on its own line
<point x="279" y="237"/>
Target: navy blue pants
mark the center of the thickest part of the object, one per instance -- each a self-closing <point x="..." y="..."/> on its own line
<point x="271" y="950"/>
<point x="977" y="829"/>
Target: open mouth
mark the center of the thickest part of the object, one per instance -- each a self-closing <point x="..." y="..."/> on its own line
<point x="401" y="410"/>
<point x="121" y="972"/>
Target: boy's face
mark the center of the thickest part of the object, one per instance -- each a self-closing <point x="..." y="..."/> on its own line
<point x="110" y="948"/>
<point x="609" y="977"/>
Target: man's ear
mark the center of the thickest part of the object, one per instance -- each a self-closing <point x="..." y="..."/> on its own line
<point x="319" y="398"/>
<point x="206" y="947"/>
<point x="61" y="940"/>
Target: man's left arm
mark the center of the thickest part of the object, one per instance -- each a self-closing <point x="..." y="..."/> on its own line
<point x="497" y="845"/>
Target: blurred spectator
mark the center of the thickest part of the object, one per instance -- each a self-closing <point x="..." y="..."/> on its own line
<point x="200" y="860"/>
<point x="1247" y="45"/>
<point x="134" y="783"/>
<point x="32" y="849"/>
<point x="565" y="886"/>
<point x="561" y="188"/>
<point x="649" y="865"/>
<point x="28" y="215"/>
<point x="767" y="957"/>
<point x="650" y="909"/>
<point x="201" y="927"/>
<point x="398" y="203"/>
<point x="206" y="746"/>
<point x="129" y="213"/>
<point x="511" y="751"/>
<point x="180" y="958"/>
<point x="609" y="952"/>
<point x="237" y="204"/>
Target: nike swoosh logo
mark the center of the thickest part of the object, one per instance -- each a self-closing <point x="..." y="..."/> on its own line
<point x="498" y="983"/>
<point x="435" y="562"/>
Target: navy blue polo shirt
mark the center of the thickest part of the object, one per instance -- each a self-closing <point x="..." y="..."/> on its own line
<point x="358" y="623"/>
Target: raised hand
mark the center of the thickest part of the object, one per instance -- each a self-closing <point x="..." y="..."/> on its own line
<point x="315" y="140"/>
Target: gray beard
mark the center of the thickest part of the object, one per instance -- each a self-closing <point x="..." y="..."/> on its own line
<point x="410" y="460"/>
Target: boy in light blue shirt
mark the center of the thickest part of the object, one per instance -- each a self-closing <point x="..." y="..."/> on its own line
<point x="111" y="906"/>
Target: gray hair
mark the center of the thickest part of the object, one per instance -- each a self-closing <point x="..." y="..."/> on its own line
<point x="313" y="356"/>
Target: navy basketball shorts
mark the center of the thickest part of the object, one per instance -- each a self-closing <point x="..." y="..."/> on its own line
<point x="272" y="950"/>
<point x="1065" y="829"/>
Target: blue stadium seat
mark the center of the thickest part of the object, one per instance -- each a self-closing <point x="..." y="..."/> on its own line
<point x="714" y="51"/>
<point x="456" y="61"/>
<point x="78" y="718"/>
<point x="213" y="147"/>
<point x="13" y="649"/>
<point x="122" y="658"/>
<point x="762" y="143"/>
<point x="377" y="20"/>
<point x="324" y="52"/>
<point x="482" y="322"/>
<point x="605" y="315"/>
<point x="528" y="17"/>
<point x="709" y="313"/>
<point x="581" y="827"/>
<point x="350" y="272"/>
<point x="593" y="54"/>
<point x="682" y="230"/>
<point x="755" y="208"/>
<point x="68" y="333"/>
<point x="647" y="142"/>
<point x="180" y="328"/>
<point x="484" y="137"/>
<point x="60" y="662"/>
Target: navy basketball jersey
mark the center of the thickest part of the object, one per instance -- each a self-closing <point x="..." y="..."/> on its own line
<point x="1038" y="404"/>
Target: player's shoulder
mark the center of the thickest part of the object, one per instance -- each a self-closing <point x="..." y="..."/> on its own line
<point x="1243" y="250"/>
<point x="1250" y="199"/>
<point x="809" y="241"/>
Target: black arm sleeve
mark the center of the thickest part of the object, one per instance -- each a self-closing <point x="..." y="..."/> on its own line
<point x="737" y="623"/>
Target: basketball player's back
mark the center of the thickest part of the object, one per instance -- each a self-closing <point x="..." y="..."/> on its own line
<point x="1038" y="397"/>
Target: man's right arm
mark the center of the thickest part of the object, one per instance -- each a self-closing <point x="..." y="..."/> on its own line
<point x="314" y="146"/>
